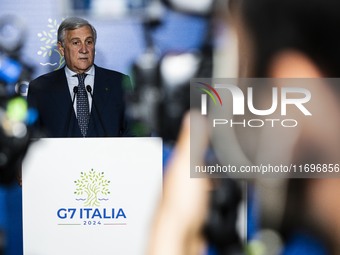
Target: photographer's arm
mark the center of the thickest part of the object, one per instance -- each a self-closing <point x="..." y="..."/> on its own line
<point x="182" y="212"/>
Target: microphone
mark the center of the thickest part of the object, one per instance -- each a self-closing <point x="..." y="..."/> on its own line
<point x="89" y="89"/>
<point x="75" y="91"/>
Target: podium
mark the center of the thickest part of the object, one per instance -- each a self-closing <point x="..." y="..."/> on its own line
<point x="90" y="195"/>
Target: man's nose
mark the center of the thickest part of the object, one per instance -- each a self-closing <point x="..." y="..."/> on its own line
<point x="83" y="48"/>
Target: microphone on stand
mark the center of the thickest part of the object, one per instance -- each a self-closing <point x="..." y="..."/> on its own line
<point x="89" y="89"/>
<point x="75" y="91"/>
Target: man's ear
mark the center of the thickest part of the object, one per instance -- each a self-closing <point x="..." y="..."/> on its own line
<point x="61" y="48"/>
<point x="293" y="64"/>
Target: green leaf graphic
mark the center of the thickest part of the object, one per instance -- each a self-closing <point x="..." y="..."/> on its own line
<point x="95" y="185"/>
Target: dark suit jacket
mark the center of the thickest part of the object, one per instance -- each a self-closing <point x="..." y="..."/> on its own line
<point x="50" y="95"/>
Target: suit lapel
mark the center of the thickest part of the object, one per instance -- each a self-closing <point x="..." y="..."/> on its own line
<point x="62" y="99"/>
<point x="100" y="99"/>
<point x="101" y="90"/>
<point x="61" y="94"/>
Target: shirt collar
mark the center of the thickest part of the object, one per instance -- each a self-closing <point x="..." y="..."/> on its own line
<point x="70" y="73"/>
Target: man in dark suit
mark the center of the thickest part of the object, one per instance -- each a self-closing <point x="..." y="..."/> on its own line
<point x="81" y="99"/>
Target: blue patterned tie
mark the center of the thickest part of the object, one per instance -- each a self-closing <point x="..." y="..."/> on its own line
<point x="83" y="113"/>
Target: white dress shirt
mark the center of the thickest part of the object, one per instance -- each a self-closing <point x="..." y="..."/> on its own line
<point x="73" y="81"/>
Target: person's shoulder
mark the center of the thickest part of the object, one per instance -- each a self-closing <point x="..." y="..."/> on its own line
<point x="47" y="77"/>
<point x="108" y="71"/>
<point x="118" y="79"/>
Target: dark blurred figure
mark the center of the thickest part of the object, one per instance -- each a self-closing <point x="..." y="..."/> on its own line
<point x="15" y="117"/>
<point x="277" y="39"/>
<point x="298" y="39"/>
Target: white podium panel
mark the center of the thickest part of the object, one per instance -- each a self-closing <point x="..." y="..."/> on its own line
<point x="90" y="195"/>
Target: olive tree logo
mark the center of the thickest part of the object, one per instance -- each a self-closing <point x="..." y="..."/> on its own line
<point x="48" y="39"/>
<point x="92" y="184"/>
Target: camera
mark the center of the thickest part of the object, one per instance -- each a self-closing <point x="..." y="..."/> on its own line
<point x="161" y="95"/>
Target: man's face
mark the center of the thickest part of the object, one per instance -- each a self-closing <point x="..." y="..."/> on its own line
<point x="78" y="49"/>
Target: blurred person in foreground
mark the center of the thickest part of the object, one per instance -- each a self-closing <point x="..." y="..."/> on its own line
<point x="81" y="99"/>
<point x="277" y="39"/>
